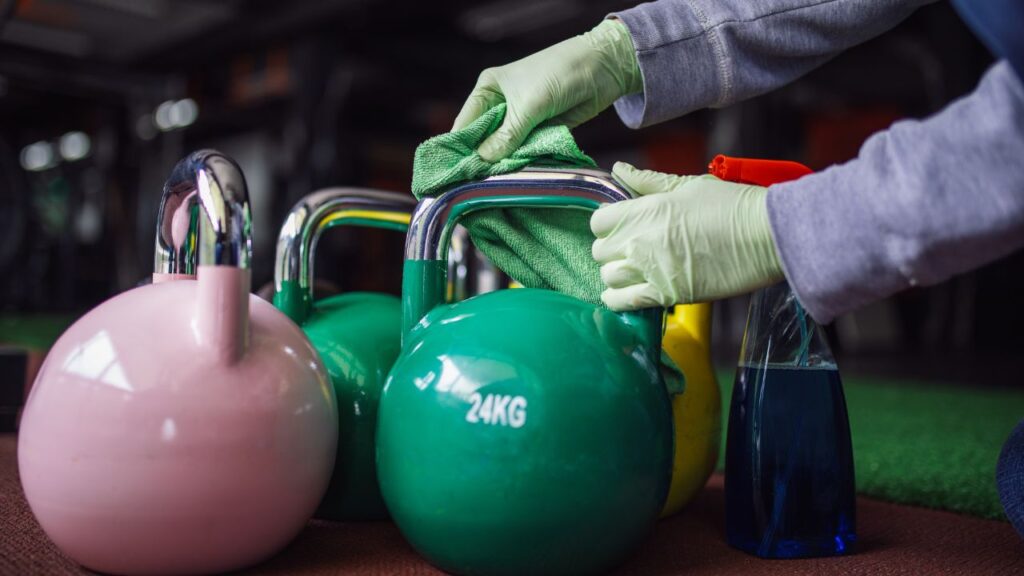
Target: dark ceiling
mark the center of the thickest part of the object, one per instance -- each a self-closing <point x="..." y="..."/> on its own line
<point x="165" y="34"/>
<point x="401" y="54"/>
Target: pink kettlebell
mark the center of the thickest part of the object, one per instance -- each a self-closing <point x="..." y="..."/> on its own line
<point x="184" y="427"/>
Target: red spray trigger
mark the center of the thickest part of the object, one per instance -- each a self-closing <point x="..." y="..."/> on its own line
<point x="756" y="171"/>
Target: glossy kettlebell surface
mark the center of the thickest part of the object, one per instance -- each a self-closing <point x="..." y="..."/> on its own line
<point x="358" y="338"/>
<point x="521" y="431"/>
<point x="524" y="432"/>
<point x="697" y="412"/>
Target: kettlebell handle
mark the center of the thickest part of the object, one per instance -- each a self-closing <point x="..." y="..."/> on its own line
<point x="204" y="231"/>
<point x="309" y="219"/>
<point x="433" y="222"/>
<point x="204" y="216"/>
<point x="435" y="219"/>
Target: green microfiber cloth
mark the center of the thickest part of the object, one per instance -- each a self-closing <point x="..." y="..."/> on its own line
<point x="537" y="248"/>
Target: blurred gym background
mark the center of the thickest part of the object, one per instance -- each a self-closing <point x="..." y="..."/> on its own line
<point x="99" y="99"/>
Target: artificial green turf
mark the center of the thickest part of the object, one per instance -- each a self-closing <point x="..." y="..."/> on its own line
<point x="37" y="331"/>
<point x="933" y="445"/>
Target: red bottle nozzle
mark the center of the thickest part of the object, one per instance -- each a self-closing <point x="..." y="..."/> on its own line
<point x="755" y="171"/>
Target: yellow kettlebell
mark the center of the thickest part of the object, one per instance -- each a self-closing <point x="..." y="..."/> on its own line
<point x="697" y="412"/>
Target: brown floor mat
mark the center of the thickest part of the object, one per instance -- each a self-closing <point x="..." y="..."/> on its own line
<point x="893" y="540"/>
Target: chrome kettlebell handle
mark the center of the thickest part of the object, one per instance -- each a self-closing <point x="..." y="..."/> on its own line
<point x="426" y="246"/>
<point x="322" y="210"/>
<point x="432" y="223"/>
<point x="309" y="219"/>
<point x="204" y="217"/>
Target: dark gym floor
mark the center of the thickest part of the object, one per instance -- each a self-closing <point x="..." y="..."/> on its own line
<point x="894" y="540"/>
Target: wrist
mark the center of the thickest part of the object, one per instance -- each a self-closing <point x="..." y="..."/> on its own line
<point x="614" y="42"/>
<point x="765" y="247"/>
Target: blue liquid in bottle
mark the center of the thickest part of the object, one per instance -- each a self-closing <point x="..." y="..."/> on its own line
<point x="789" y="481"/>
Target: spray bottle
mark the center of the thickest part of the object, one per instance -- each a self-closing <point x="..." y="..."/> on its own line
<point x="789" y="479"/>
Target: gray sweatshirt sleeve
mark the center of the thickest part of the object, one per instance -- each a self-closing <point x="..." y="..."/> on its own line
<point x="924" y="200"/>
<point x="696" y="54"/>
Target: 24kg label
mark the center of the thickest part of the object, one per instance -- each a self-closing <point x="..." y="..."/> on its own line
<point x="497" y="410"/>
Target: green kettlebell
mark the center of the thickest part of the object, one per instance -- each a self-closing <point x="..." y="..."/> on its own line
<point x="357" y="335"/>
<point x="521" y="431"/>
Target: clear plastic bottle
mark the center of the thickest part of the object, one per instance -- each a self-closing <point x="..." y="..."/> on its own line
<point x="789" y="479"/>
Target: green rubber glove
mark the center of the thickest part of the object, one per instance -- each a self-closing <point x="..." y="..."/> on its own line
<point x="684" y="239"/>
<point x="568" y="83"/>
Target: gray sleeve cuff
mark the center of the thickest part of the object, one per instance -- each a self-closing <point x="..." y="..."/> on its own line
<point x="697" y="54"/>
<point x="677" y="62"/>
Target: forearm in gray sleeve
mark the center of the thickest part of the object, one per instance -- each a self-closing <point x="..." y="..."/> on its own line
<point x="696" y="54"/>
<point x="924" y="200"/>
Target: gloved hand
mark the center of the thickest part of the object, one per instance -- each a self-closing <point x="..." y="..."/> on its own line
<point x="568" y="83"/>
<point x="684" y="239"/>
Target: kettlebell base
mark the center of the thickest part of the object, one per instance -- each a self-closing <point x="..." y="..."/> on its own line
<point x="352" y="510"/>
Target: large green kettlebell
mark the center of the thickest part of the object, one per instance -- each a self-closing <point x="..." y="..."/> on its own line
<point x="521" y="431"/>
<point x="357" y="335"/>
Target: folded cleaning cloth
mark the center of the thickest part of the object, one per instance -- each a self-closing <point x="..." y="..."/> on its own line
<point x="538" y="248"/>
